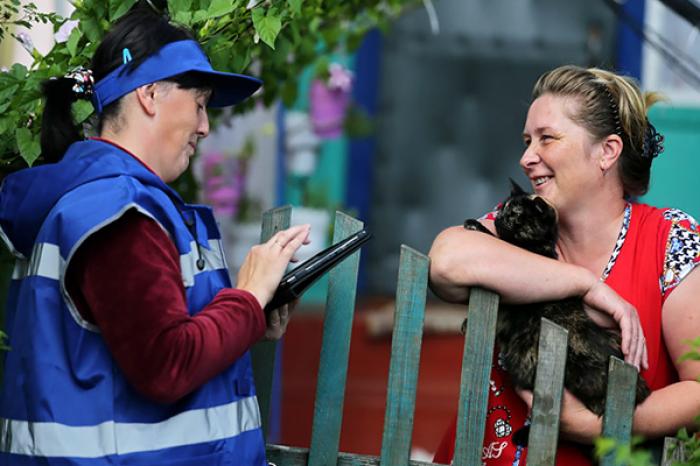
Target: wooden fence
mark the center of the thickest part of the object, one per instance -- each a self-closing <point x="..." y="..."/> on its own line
<point x="403" y="372"/>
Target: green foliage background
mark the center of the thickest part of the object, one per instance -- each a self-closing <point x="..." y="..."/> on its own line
<point x="273" y="40"/>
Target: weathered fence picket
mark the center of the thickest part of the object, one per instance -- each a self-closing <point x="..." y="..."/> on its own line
<point x="476" y="370"/>
<point x="673" y="452"/>
<point x="549" y="387"/>
<point x="403" y="373"/>
<point x="405" y="356"/>
<point x="335" y="349"/>
<point x="263" y="353"/>
<point x="619" y="405"/>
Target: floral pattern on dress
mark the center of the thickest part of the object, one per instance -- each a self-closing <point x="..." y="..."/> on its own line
<point x="682" y="249"/>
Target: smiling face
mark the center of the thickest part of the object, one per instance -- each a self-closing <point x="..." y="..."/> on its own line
<point x="181" y="120"/>
<point x="561" y="159"/>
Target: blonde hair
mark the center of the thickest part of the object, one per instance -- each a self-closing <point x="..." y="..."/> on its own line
<point x="608" y="104"/>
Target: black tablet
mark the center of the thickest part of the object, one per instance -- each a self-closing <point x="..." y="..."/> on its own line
<point x="296" y="281"/>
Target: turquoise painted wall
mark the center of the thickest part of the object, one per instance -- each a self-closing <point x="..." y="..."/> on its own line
<point x="675" y="177"/>
<point x="330" y="177"/>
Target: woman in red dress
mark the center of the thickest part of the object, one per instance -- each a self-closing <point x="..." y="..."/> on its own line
<point x="589" y="149"/>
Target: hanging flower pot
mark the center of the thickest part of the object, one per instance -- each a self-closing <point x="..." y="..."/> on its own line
<point x="329" y="100"/>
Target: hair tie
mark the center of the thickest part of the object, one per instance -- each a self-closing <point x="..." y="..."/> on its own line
<point x="84" y="85"/>
<point x="653" y="143"/>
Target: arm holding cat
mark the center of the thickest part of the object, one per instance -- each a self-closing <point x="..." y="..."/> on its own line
<point x="668" y="409"/>
<point x="462" y="258"/>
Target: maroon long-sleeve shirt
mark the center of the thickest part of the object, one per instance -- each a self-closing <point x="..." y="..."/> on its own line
<point x="126" y="280"/>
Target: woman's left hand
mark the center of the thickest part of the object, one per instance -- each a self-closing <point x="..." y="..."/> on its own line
<point x="576" y="422"/>
<point x="278" y="320"/>
<point x="603" y="298"/>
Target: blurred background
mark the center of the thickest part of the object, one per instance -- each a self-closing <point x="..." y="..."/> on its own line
<point x="416" y="130"/>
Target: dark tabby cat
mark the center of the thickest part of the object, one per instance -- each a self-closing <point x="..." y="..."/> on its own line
<point x="528" y="221"/>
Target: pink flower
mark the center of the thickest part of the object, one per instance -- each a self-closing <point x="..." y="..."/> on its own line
<point x="340" y="78"/>
<point x="327" y="108"/>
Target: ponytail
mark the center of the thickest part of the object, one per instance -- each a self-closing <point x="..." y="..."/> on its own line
<point x="58" y="131"/>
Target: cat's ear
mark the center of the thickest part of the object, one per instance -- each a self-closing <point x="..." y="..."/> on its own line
<point x="515" y="189"/>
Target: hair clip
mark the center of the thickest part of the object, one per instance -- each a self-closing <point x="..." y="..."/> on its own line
<point x="84" y="83"/>
<point x="126" y="55"/>
<point x="614" y="110"/>
<point x="653" y="143"/>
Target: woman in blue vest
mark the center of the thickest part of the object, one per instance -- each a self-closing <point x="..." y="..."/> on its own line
<point x="129" y="344"/>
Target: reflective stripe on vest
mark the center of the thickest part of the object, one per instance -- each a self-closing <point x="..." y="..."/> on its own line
<point x="213" y="260"/>
<point x="46" y="261"/>
<point x="51" y="439"/>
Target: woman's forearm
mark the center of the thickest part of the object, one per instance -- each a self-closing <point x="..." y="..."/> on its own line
<point x="662" y="414"/>
<point x="461" y="258"/>
<point x="668" y="409"/>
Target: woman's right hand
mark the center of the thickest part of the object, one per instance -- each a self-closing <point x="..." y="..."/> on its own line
<point x="266" y="263"/>
<point x="600" y="297"/>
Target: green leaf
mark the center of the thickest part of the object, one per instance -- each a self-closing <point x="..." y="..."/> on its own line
<point x="200" y="15"/>
<point x="692" y="356"/>
<point x="36" y="55"/>
<point x="29" y="147"/>
<point x="8" y="92"/>
<point x="219" y="58"/>
<point x="257" y="14"/>
<point x="354" y="41"/>
<point x="119" y="8"/>
<point x="295" y="7"/>
<point x="91" y="28"/>
<point x="603" y="446"/>
<point x="5" y="124"/>
<point x="5" y="105"/>
<point x="100" y="9"/>
<point x="290" y="89"/>
<point x="82" y="109"/>
<point x="694" y="342"/>
<point x="241" y="60"/>
<point x="220" y="8"/>
<point x="175" y="6"/>
<point x="72" y="42"/>
<point x="183" y="17"/>
<point x="314" y="24"/>
<point x="18" y="71"/>
<point x="267" y="27"/>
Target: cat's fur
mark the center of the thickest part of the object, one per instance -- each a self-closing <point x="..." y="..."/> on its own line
<point x="528" y="221"/>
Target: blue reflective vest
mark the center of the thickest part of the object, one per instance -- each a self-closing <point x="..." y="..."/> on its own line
<point x="64" y="401"/>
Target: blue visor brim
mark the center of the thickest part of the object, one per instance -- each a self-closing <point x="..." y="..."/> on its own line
<point x="173" y="59"/>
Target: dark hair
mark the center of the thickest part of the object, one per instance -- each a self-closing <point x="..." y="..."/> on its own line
<point x="608" y="104"/>
<point x="143" y="31"/>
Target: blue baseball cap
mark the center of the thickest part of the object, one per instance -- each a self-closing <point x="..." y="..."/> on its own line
<point x="171" y="60"/>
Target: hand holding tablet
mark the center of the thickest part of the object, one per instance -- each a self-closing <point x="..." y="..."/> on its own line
<point x="296" y="281"/>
